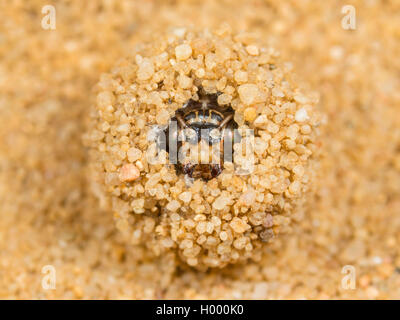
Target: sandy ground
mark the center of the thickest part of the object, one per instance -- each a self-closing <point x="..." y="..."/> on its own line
<point x="49" y="217"/>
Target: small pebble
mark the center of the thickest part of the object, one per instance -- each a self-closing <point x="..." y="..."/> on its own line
<point x="252" y="50"/>
<point x="241" y="76"/>
<point x="185" y="196"/>
<point x="220" y="203"/>
<point x="183" y="51"/>
<point x="173" y="205"/>
<point x="238" y="225"/>
<point x="301" y="115"/>
<point x="249" y="93"/>
<point x="129" y="172"/>
<point x="145" y="70"/>
<point x="250" y="114"/>
<point x="134" y="154"/>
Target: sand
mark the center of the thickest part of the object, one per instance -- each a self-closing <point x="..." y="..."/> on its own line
<point x="50" y="216"/>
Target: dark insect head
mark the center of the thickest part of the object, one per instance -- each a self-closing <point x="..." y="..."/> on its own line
<point x="201" y="120"/>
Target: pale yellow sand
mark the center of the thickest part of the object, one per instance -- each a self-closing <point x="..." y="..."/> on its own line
<point x="49" y="217"/>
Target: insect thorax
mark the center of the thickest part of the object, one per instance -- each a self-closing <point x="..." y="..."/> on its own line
<point x="200" y="122"/>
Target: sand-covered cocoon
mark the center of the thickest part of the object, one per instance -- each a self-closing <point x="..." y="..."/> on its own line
<point x="228" y="218"/>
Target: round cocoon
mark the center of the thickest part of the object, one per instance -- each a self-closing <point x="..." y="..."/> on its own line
<point x="233" y="215"/>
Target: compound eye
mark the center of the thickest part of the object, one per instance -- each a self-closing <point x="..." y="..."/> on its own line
<point x="190" y="135"/>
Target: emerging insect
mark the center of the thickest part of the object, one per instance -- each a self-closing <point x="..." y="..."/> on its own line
<point x="201" y="122"/>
